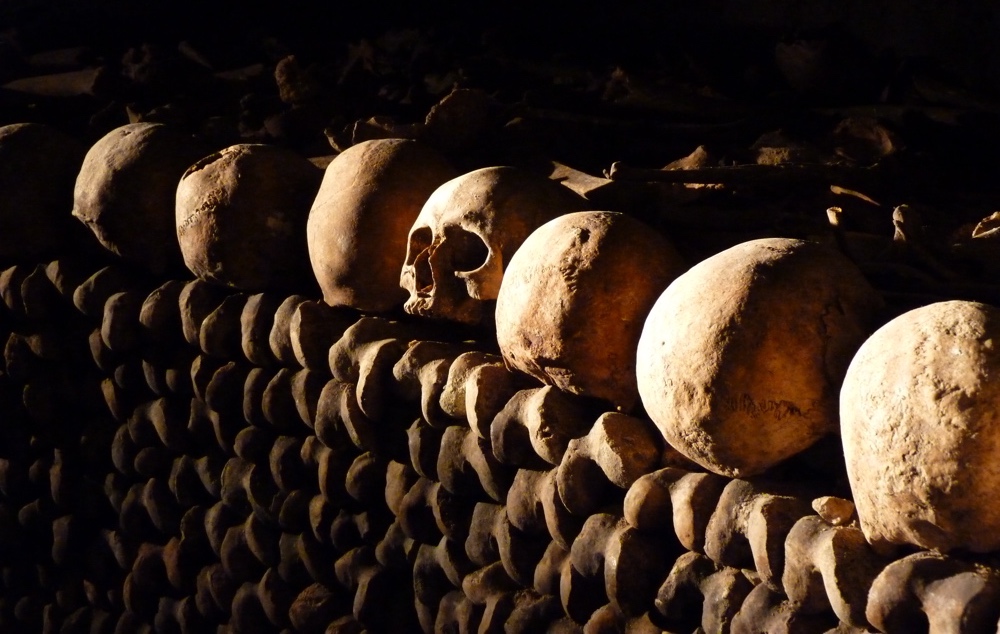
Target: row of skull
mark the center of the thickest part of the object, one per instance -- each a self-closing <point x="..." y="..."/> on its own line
<point x="740" y="359"/>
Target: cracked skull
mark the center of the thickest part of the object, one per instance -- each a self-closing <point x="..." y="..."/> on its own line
<point x="466" y="234"/>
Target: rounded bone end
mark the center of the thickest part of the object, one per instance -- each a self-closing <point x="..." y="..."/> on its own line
<point x="741" y="359"/>
<point x="920" y="429"/>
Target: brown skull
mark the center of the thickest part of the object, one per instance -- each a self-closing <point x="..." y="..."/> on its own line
<point x="467" y="232"/>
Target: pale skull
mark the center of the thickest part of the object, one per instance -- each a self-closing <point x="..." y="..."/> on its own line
<point x="466" y="234"/>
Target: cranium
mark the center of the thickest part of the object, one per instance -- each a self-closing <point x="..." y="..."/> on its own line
<point x="466" y="234"/>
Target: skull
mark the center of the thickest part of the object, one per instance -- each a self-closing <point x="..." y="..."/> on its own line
<point x="466" y="234"/>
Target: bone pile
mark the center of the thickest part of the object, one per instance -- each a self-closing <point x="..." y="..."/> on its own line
<point x="213" y="452"/>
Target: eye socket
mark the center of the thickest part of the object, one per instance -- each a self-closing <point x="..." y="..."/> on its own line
<point x="468" y="251"/>
<point x="420" y="239"/>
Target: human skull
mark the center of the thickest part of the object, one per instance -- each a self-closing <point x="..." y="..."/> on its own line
<point x="467" y="232"/>
<point x="921" y="432"/>
<point x="241" y="217"/>
<point x="358" y="225"/>
<point x="125" y="192"/>
<point x="575" y="298"/>
<point x="741" y="358"/>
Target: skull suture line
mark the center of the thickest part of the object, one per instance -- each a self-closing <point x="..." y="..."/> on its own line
<point x="466" y="234"/>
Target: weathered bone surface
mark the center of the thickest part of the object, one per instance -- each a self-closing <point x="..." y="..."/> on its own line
<point x="370" y="196"/>
<point x="191" y="458"/>
<point x="125" y="192"/>
<point x="241" y="217"/>
<point x="741" y="358"/>
<point x="565" y="313"/>
<point x="919" y="428"/>
<point x="38" y="165"/>
<point x="929" y="591"/>
<point x="466" y="234"/>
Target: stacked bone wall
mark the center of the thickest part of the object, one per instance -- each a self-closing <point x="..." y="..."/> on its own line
<point x="179" y="457"/>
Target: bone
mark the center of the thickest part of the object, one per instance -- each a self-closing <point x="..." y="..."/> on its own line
<point x="170" y="375"/>
<point x="314" y="607"/>
<point x="214" y="593"/>
<point x="349" y="352"/>
<point x="160" y="506"/>
<point x="492" y="537"/>
<point x="749" y="527"/>
<point x="293" y="517"/>
<point x="376" y="384"/>
<point x="338" y="416"/>
<point x="675" y="498"/>
<point x="430" y="585"/>
<point x="168" y="418"/>
<point x="765" y="610"/>
<point x="256" y="322"/>
<point x="486" y="583"/>
<point x="246" y="612"/>
<point x="120" y="326"/>
<point x="616" y="451"/>
<point x="315" y="327"/>
<point x="629" y="563"/>
<point x="422" y="374"/>
<point x="160" y="314"/>
<point x="91" y="295"/>
<point x="466" y="465"/>
<point x="221" y="334"/>
<point x="830" y="567"/>
<point x="534" y="428"/>
<point x="203" y="368"/>
<point x="477" y="388"/>
<point x="275" y="596"/>
<point x="360" y="573"/>
<point x="280" y="337"/>
<point x="306" y="387"/>
<point x="608" y="620"/>
<point x="415" y="515"/>
<point x="210" y="430"/>
<point x="303" y="560"/>
<point x="185" y="481"/>
<point x="248" y="549"/>
<point x="29" y="355"/>
<point x="550" y="569"/>
<point x="103" y="357"/>
<point x="224" y="391"/>
<point x="278" y="403"/>
<point x="455" y="612"/>
<point x="11" y="280"/>
<point x="285" y="461"/>
<point x="196" y="301"/>
<point x="695" y="580"/>
<point x="253" y="396"/>
<point x="146" y="581"/>
<point x="834" y="510"/>
<point x="927" y="591"/>
<point x="520" y="612"/>
<point x="180" y="614"/>
<point x="41" y="300"/>
<point x="399" y="478"/>
<point x="246" y="486"/>
<point x="366" y="481"/>
<point x="424" y="444"/>
<point x="66" y="274"/>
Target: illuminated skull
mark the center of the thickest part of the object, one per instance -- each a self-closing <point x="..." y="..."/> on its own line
<point x="466" y="234"/>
